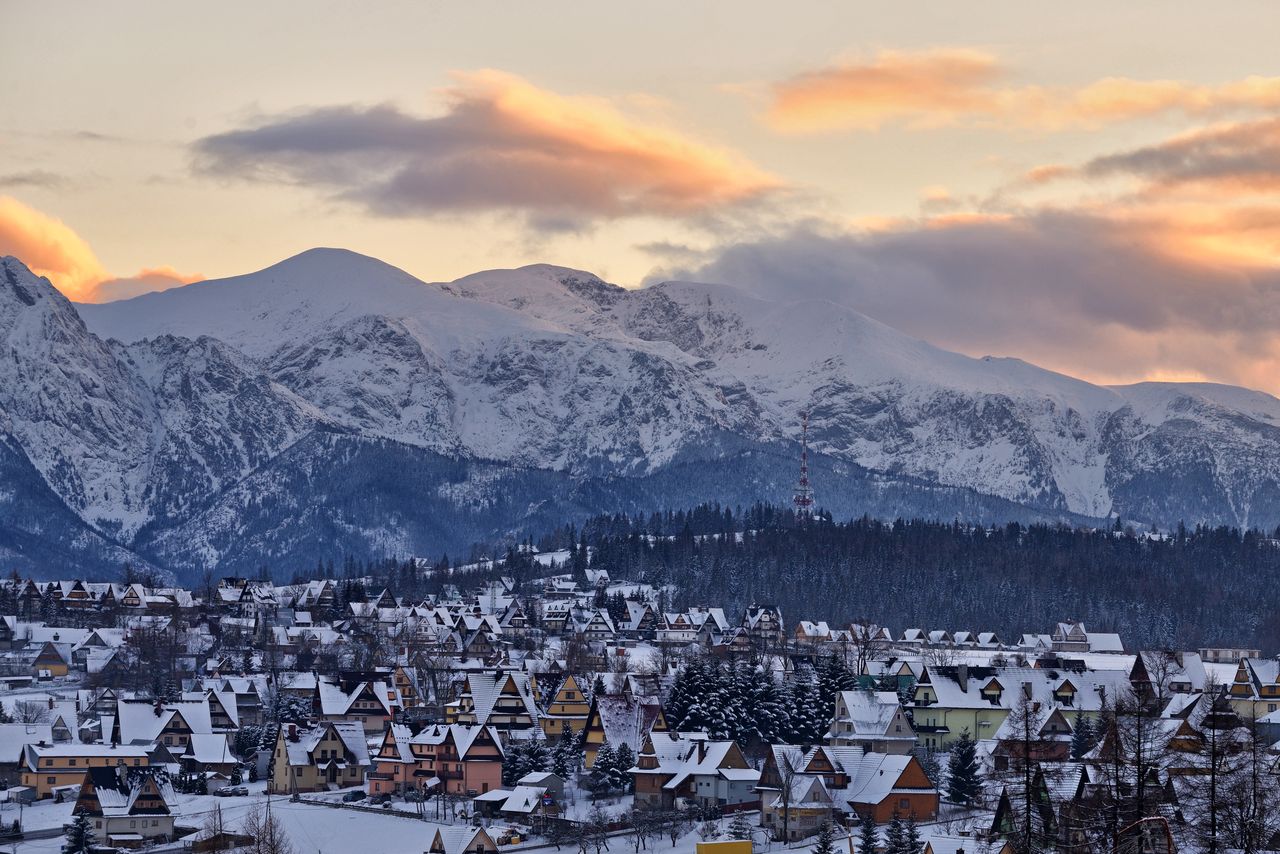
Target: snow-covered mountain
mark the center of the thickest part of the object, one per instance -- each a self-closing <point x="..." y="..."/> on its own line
<point x="335" y="403"/>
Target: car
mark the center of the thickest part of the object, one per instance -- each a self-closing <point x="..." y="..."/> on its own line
<point x="232" y="792"/>
<point x="357" y="795"/>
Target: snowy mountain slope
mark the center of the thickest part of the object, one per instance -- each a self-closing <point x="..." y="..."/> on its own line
<point x="183" y="422"/>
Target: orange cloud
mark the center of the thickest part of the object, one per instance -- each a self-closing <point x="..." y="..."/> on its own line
<point x="919" y="88"/>
<point x="938" y="87"/>
<point x="502" y="144"/>
<point x="49" y="247"/>
<point x="52" y="249"/>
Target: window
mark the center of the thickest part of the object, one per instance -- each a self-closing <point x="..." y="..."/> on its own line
<point x="904" y="804"/>
<point x="71" y="762"/>
<point x="51" y="780"/>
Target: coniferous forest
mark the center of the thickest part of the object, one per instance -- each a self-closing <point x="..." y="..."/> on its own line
<point x="1184" y="588"/>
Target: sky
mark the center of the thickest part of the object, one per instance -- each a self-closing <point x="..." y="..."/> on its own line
<point x="1092" y="187"/>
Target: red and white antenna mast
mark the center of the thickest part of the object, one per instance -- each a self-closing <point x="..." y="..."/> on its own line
<point x="803" y="499"/>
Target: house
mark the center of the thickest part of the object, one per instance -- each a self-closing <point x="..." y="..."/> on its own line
<point x="568" y="710"/>
<point x="126" y="808"/>
<point x="367" y="703"/>
<point x="620" y="719"/>
<point x="500" y="699"/>
<point x="170" y="724"/>
<point x="456" y="759"/>
<point x="799" y="808"/>
<point x="209" y="753"/>
<point x="521" y="803"/>
<point x="871" y="785"/>
<point x="53" y="660"/>
<point x="873" y="720"/>
<point x="49" y="767"/>
<point x="950" y="700"/>
<point x="330" y="755"/>
<point x="688" y="766"/>
<point x="1255" y="690"/>
<point x="1157" y="675"/>
<point x="461" y="840"/>
<point x="764" y="626"/>
<point x="1072" y="636"/>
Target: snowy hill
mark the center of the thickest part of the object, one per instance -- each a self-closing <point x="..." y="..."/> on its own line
<point x="227" y="421"/>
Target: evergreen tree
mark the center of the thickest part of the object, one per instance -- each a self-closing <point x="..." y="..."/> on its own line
<point x="895" y="838"/>
<point x="962" y="776"/>
<point x="834" y="676"/>
<point x="806" y="724"/>
<point x="914" y="844"/>
<point x="826" y="841"/>
<point x="79" y="836"/>
<point x="740" y="828"/>
<point x="868" y="838"/>
<point x="566" y="757"/>
<point x="603" y="770"/>
<point x="5" y="717"/>
<point x="1082" y="737"/>
<point x="625" y="760"/>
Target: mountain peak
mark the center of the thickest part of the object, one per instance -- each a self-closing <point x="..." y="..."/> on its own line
<point x="18" y="282"/>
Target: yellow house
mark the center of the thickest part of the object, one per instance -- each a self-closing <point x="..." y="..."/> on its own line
<point x="48" y="767"/>
<point x="1255" y="691"/>
<point x="332" y="755"/>
<point x="54" y="659"/>
<point x="567" y="711"/>
<point x="625" y="719"/>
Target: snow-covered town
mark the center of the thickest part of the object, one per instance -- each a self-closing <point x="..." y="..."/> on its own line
<point x="579" y="712"/>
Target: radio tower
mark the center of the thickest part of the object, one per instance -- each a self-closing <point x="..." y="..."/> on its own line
<point x="803" y="499"/>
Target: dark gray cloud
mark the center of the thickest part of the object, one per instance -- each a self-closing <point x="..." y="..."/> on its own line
<point x="1246" y="155"/>
<point x="502" y="145"/>
<point x="33" y="178"/>
<point x="1080" y="293"/>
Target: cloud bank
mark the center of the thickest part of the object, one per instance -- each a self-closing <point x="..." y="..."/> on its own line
<point x="928" y="89"/>
<point x="1081" y="292"/>
<point x="501" y="144"/>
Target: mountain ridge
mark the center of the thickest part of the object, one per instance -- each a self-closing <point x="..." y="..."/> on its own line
<point x="147" y="416"/>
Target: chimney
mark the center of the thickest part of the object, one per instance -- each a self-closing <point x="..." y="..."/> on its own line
<point x="962" y="676"/>
<point x="293" y="732"/>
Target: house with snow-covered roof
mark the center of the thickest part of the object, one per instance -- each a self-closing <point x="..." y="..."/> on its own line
<point x="329" y="755"/>
<point x="620" y="719"/>
<point x="127" y="808"/>
<point x="674" y="766"/>
<point x="873" y="720"/>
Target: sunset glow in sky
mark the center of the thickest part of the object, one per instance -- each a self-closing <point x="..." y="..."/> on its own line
<point x="1092" y="187"/>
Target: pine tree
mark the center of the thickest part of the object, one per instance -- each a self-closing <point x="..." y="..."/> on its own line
<point x="895" y="838"/>
<point x="962" y="777"/>
<point x="806" y="724"/>
<point x="868" y="837"/>
<point x="1082" y="737"/>
<point x="914" y="844"/>
<point x="603" y="769"/>
<point x="625" y="760"/>
<point x="826" y="842"/>
<point x="740" y="828"/>
<point x="79" y="836"/>
<point x="566" y="757"/>
<point x="5" y="717"/>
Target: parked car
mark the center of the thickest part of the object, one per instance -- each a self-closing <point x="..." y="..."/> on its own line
<point x="232" y="792"/>
<point x="357" y="795"/>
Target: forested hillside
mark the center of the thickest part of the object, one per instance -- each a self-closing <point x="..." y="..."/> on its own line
<point x="1188" y="588"/>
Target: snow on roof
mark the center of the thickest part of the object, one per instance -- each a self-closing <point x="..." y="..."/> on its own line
<point x="210" y="748"/>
